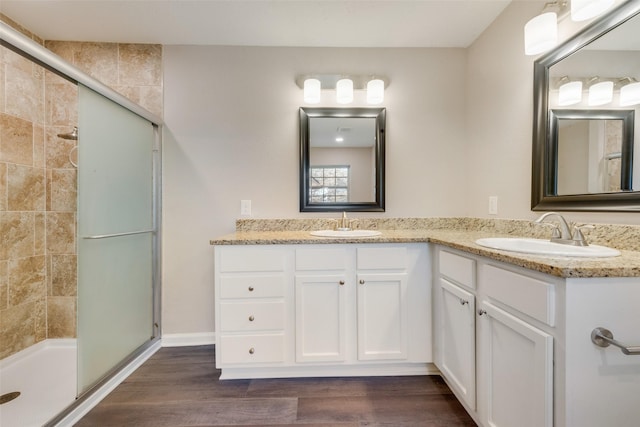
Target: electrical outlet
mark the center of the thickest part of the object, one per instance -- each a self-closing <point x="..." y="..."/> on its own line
<point x="245" y="207"/>
<point x="493" y="205"/>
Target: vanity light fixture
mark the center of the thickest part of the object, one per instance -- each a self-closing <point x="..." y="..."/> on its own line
<point x="312" y="89"/>
<point x="339" y="139"/>
<point x="344" y="91"/>
<point x="375" y="91"/>
<point x="570" y="93"/>
<point x="630" y="94"/>
<point x="600" y="93"/>
<point x="581" y="10"/>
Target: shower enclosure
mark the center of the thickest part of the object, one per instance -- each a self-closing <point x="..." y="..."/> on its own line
<point x="108" y="239"/>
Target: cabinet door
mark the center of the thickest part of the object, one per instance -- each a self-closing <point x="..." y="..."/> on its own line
<point x="458" y="340"/>
<point x="382" y="316"/>
<point x="320" y="318"/>
<point x="515" y="383"/>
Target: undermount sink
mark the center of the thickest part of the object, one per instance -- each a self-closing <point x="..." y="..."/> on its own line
<point x="346" y="233"/>
<point x="546" y="247"/>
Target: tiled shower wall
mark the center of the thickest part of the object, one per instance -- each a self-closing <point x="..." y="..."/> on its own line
<point x="38" y="279"/>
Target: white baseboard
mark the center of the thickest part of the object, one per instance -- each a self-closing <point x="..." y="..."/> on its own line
<point x="184" y="340"/>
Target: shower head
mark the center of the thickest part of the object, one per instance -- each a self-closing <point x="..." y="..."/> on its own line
<point x="71" y="135"/>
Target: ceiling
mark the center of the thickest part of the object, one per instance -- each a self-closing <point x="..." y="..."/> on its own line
<point x="328" y="23"/>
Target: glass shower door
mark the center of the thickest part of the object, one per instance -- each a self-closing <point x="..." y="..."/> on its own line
<point x="116" y="235"/>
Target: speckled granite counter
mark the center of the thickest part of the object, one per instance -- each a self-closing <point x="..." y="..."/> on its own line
<point x="458" y="233"/>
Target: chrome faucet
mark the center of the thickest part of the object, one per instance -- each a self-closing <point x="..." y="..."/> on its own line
<point x="344" y="223"/>
<point x="565" y="233"/>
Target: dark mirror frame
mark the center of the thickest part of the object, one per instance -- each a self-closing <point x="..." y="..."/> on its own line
<point x="378" y="204"/>
<point x="543" y="172"/>
<point x="626" y="167"/>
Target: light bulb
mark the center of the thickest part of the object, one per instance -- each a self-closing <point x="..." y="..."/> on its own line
<point x="344" y="91"/>
<point x="630" y="94"/>
<point x="375" y="91"/>
<point x="312" y="91"/>
<point x="570" y="93"/>
<point x="601" y="93"/>
<point x="581" y="10"/>
<point x="541" y="33"/>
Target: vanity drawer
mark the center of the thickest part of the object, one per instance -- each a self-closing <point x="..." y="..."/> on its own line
<point x="239" y="259"/>
<point x="252" y="286"/>
<point x="382" y="258"/>
<point x="530" y="296"/>
<point x="251" y="316"/>
<point x="244" y="349"/>
<point x="457" y="268"/>
<point x="308" y="259"/>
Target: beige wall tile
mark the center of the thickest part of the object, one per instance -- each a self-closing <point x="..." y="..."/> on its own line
<point x="61" y="317"/>
<point x="26" y="280"/>
<point x="16" y="234"/>
<point x="39" y="231"/>
<point x="63" y="49"/>
<point x="40" y="320"/>
<point x="62" y="105"/>
<point x="38" y="146"/>
<point x="24" y="95"/>
<point x="3" y="186"/>
<point x="63" y="190"/>
<point x="64" y="275"/>
<point x="2" y="82"/>
<point x="99" y="60"/>
<point x="151" y="99"/>
<point x="26" y="188"/>
<point x="61" y="233"/>
<point x="16" y="140"/>
<point x="17" y="328"/>
<point x="140" y="65"/>
<point x="4" y="268"/>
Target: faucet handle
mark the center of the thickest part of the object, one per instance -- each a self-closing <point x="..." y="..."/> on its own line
<point x="555" y="232"/>
<point x="577" y="235"/>
<point x="353" y="221"/>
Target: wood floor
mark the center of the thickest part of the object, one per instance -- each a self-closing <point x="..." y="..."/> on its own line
<point x="180" y="387"/>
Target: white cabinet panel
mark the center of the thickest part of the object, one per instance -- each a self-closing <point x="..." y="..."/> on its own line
<point x="320" y="318"/>
<point x="516" y="371"/>
<point x="458" y="340"/>
<point x="382" y="316"/>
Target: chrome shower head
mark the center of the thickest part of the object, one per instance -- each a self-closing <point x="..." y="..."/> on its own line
<point x="73" y="135"/>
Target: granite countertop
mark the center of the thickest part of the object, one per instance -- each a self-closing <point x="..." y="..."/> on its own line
<point x="625" y="265"/>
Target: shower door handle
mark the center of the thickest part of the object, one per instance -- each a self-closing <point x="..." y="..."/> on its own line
<point x="129" y="233"/>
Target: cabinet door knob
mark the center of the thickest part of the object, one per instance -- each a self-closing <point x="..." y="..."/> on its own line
<point x="481" y="312"/>
<point x="362" y="281"/>
<point x="251" y="318"/>
<point x="341" y="282"/>
<point x="252" y="350"/>
<point x="463" y="301"/>
<point x="250" y="288"/>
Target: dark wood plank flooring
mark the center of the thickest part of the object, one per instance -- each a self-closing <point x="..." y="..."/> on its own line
<point x="180" y="387"/>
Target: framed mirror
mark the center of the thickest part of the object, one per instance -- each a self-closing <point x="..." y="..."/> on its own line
<point x="605" y="179"/>
<point x="342" y="159"/>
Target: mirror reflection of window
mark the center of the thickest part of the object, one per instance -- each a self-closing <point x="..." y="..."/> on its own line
<point x="329" y="184"/>
<point x="589" y="156"/>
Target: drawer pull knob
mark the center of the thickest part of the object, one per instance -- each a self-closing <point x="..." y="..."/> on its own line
<point x="362" y="281"/>
<point x="252" y="350"/>
<point x="250" y="288"/>
<point x="463" y="301"/>
<point x="341" y="282"/>
<point x="481" y="312"/>
<point x="251" y="318"/>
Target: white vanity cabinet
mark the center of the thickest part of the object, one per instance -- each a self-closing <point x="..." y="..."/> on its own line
<point x="489" y="345"/>
<point x="525" y="357"/>
<point x="339" y="309"/>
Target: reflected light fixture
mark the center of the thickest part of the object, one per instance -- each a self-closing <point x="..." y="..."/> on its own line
<point x="344" y="91"/>
<point x="375" y="91"/>
<point x="581" y="10"/>
<point x="570" y="93"/>
<point x="630" y="94"/>
<point x="541" y="33"/>
<point x="312" y="91"/>
<point x="601" y="93"/>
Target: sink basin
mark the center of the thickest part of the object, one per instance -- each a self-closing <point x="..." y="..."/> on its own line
<point x="545" y="247"/>
<point x="350" y="233"/>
